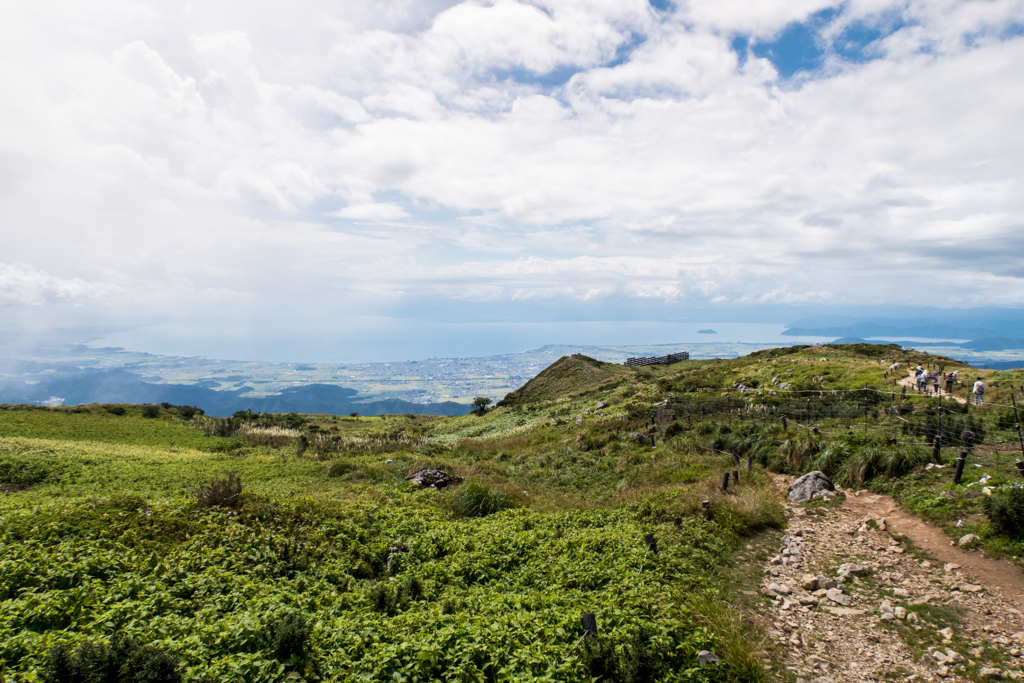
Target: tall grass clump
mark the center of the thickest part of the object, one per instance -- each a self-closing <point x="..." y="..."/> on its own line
<point x="799" y="451"/>
<point x="225" y="492"/>
<point x="832" y="458"/>
<point x="480" y="500"/>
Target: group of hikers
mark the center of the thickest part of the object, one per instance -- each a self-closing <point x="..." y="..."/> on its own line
<point x="928" y="382"/>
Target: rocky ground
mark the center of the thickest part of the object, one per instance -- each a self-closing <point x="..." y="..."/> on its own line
<point x="859" y="591"/>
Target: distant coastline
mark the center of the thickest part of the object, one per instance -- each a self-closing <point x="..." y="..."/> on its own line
<point x="709" y="331"/>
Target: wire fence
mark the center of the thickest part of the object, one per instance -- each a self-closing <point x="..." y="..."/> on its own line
<point x="906" y="416"/>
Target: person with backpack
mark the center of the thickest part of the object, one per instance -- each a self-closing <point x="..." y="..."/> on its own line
<point x="979" y="392"/>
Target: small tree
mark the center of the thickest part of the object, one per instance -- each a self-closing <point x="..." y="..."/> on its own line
<point x="480" y="404"/>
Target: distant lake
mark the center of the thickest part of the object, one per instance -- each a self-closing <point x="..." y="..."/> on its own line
<point x="374" y="339"/>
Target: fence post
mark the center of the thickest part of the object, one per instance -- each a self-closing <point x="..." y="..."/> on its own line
<point x="735" y="458"/>
<point x="1019" y="437"/>
<point x="937" y="449"/>
<point x="652" y="543"/>
<point x="589" y="625"/>
<point x="750" y="463"/>
<point x="959" y="467"/>
<point x="705" y="506"/>
<point x="736" y="477"/>
<point x="725" y="481"/>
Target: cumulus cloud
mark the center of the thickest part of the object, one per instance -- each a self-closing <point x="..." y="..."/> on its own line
<point x="512" y="150"/>
<point x="25" y="285"/>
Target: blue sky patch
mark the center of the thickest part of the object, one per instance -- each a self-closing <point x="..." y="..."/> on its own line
<point x="797" y="49"/>
<point x="800" y="47"/>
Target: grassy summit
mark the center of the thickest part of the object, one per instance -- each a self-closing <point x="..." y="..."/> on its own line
<point x="330" y="565"/>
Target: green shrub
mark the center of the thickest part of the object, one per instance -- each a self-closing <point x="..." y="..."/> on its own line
<point x="1007" y="419"/>
<point x="188" y="412"/>
<point x="641" y="662"/>
<point x="225" y="492"/>
<point x="387" y="597"/>
<point x="150" y="664"/>
<point x="24" y="473"/>
<point x="150" y="411"/>
<point x="479" y="500"/>
<point x="288" y="636"/>
<point x="102" y="663"/>
<point x="61" y="666"/>
<point x="340" y="469"/>
<point x="114" y="409"/>
<point x="599" y="660"/>
<point x="676" y="427"/>
<point x="1005" y="510"/>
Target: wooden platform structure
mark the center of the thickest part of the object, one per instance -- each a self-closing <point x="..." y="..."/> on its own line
<point x="659" y="360"/>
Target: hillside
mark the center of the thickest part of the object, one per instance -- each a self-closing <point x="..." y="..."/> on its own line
<point x="568" y="376"/>
<point x="293" y="547"/>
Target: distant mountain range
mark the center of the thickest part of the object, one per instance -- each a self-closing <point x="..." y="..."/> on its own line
<point x="988" y="344"/>
<point x="955" y="325"/>
<point x="122" y="386"/>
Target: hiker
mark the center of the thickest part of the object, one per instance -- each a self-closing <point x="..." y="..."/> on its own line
<point x="949" y="383"/>
<point x="979" y="392"/>
<point x="918" y="378"/>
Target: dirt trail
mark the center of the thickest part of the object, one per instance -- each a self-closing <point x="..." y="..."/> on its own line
<point x="994" y="574"/>
<point x="909" y="382"/>
<point x="848" y="602"/>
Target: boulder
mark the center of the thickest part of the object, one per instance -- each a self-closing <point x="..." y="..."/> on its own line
<point x="851" y="568"/>
<point x="836" y="596"/>
<point x="433" y="479"/>
<point x="966" y="540"/>
<point x="808" y="485"/>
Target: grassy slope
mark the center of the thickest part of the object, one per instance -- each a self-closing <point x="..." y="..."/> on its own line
<point x="98" y="425"/>
<point x="503" y="592"/>
<point x="106" y="539"/>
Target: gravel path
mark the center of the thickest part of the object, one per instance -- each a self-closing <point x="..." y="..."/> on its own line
<point x="849" y="602"/>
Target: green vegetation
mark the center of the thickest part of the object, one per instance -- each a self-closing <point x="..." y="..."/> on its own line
<point x="292" y="547"/>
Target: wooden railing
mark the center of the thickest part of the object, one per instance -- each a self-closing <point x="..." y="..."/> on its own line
<point x="660" y="360"/>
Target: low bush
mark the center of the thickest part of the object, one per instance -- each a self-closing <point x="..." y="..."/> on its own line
<point x="150" y="664"/>
<point x="1005" y="510"/>
<point x="120" y="661"/>
<point x="114" y="409"/>
<point x="599" y="659"/>
<point x="150" y="411"/>
<point x="24" y="473"/>
<point x="479" y="500"/>
<point x="641" y="661"/>
<point x="225" y="492"/>
<point x="288" y="636"/>
<point x="188" y="412"/>
<point x="340" y="469"/>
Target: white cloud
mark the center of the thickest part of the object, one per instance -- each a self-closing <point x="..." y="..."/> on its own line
<point x="373" y="212"/>
<point x="508" y="150"/>
<point x="25" y="285"/>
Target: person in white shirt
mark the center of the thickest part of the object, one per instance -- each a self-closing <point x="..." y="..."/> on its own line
<point x="979" y="392"/>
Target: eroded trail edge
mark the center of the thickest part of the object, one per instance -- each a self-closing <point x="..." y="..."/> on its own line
<point x="853" y="596"/>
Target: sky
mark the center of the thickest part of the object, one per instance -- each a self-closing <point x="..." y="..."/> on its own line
<point x="290" y="163"/>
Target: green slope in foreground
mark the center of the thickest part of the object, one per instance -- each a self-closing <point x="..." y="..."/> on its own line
<point x="331" y="566"/>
